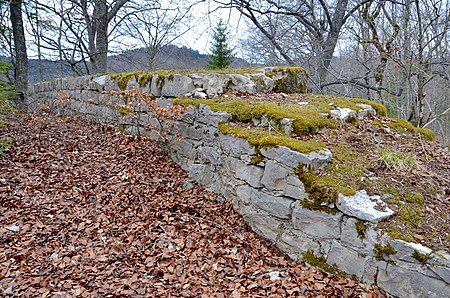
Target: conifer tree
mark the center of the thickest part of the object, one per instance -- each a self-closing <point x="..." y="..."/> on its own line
<point x="221" y="53"/>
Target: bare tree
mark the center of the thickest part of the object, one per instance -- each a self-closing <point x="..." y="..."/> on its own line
<point x="20" y="51"/>
<point x="156" y="24"/>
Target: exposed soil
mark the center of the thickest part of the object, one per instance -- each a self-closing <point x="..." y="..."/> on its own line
<point x="88" y="212"/>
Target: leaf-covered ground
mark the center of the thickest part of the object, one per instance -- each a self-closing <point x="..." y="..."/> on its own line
<point x="88" y="212"/>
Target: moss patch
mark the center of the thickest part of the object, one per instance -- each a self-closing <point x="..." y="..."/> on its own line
<point x="403" y="126"/>
<point x="4" y="144"/>
<point x="384" y="251"/>
<point x="306" y="119"/>
<point x="124" y="111"/>
<point x="423" y="258"/>
<point x="320" y="262"/>
<point x="264" y="139"/>
<point x="398" y="160"/>
<point x="322" y="190"/>
<point x="361" y="228"/>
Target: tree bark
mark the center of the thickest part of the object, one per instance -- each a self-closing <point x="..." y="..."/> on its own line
<point x="20" y="50"/>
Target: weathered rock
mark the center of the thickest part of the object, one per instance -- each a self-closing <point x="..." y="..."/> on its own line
<point x="294" y="242"/>
<point x="277" y="206"/>
<point x="274" y="177"/>
<point x="365" y="111"/>
<point x="349" y="236"/>
<point x="236" y="146"/>
<point x="251" y="174"/>
<point x="407" y="283"/>
<point x="439" y="263"/>
<point x="207" y="116"/>
<point x="207" y="154"/>
<point x="342" y="114"/>
<point x="364" y="207"/>
<point x="176" y="86"/>
<point x="317" y="159"/>
<point x="340" y="256"/>
<point x="316" y="223"/>
<point x="286" y="123"/>
<point x="263" y="224"/>
<point x="405" y="250"/>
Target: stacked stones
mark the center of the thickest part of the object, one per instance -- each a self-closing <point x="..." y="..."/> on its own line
<point x="267" y="192"/>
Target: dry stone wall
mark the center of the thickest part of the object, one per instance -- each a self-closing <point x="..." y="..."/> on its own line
<point x="267" y="192"/>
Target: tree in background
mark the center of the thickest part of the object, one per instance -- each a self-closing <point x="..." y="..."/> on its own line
<point x="20" y="51"/>
<point x="221" y="53"/>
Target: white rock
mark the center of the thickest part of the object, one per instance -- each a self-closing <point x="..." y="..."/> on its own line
<point x="13" y="228"/>
<point x="275" y="275"/>
<point x="342" y="113"/>
<point x="363" y="206"/>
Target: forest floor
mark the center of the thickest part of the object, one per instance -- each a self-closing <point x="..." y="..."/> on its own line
<point x="88" y="212"/>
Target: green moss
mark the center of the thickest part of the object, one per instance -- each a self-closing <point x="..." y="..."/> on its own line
<point x="4" y="144"/>
<point x="122" y="127"/>
<point x="383" y="251"/>
<point x="415" y="198"/>
<point x="403" y="126"/>
<point x="322" y="190"/>
<point x="264" y="139"/>
<point x="320" y="262"/>
<point x="123" y="78"/>
<point x="306" y="119"/>
<point x="256" y="159"/>
<point x="124" y="111"/>
<point x="423" y="258"/>
<point x="3" y="122"/>
<point x="381" y="110"/>
<point x="361" y="228"/>
<point x="398" y="160"/>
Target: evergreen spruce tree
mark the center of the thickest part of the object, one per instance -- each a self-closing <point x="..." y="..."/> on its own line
<point x="221" y="53"/>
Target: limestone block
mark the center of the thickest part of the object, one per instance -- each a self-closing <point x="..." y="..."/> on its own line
<point x="276" y="206"/>
<point x="262" y="223"/>
<point x="206" y="175"/>
<point x="250" y="174"/>
<point x="279" y="178"/>
<point x="189" y="116"/>
<point x="236" y="146"/>
<point x="244" y="193"/>
<point x="274" y="176"/>
<point x="231" y="165"/>
<point x="402" y="282"/>
<point x="316" y="223"/>
<point x="207" y="154"/>
<point x="351" y="262"/>
<point x="365" y="111"/>
<point x="350" y="237"/>
<point x="439" y="263"/>
<point x="262" y="82"/>
<point x="364" y="207"/>
<point x="294" y="242"/>
<point x="176" y="86"/>
<point x="210" y="134"/>
<point x="291" y="158"/>
<point x="405" y="250"/>
<point x="183" y="149"/>
<point x="206" y="116"/>
<point x="342" y="114"/>
<point x="286" y="123"/>
<point x="184" y="130"/>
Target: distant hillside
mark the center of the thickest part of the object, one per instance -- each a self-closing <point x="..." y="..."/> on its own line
<point x="170" y="57"/>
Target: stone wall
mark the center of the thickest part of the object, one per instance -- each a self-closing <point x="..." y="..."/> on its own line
<point x="262" y="185"/>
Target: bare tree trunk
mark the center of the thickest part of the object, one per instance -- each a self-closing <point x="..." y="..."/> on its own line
<point x="100" y="18"/>
<point x="20" y="50"/>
